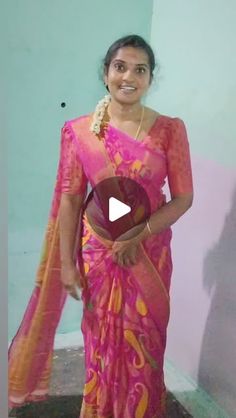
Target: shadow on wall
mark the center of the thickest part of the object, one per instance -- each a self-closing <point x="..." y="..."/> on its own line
<point x="217" y="367"/>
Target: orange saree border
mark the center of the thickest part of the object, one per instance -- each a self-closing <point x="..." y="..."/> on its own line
<point x="30" y="353"/>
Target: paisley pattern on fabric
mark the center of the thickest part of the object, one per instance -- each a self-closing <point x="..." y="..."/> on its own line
<point x="125" y="310"/>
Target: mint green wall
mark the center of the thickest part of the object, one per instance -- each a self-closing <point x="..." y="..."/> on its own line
<point x="54" y="54"/>
<point x="195" y="45"/>
<point x="194" y="42"/>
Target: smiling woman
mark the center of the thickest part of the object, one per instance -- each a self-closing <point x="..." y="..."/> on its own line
<point x="128" y="73"/>
<point x="125" y="282"/>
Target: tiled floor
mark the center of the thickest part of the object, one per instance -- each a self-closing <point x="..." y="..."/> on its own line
<point x="66" y="389"/>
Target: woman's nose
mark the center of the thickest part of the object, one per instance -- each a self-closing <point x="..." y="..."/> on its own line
<point x="128" y="76"/>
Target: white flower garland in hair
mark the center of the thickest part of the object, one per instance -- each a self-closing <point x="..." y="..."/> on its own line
<point x="99" y="114"/>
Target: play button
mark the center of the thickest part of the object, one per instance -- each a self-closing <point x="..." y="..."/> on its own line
<point x="115" y="206"/>
<point x="117" y="209"/>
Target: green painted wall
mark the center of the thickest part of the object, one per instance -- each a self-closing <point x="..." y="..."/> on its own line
<point x="54" y="54"/>
<point x="194" y="43"/>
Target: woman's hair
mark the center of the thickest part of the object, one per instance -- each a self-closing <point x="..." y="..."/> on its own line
<point x="135" y="41"/>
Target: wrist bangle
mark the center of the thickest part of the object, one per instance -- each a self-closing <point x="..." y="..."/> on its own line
<point x="148" y="227"/>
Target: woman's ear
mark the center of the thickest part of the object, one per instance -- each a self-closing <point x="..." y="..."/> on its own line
<point x="105" y="79"/>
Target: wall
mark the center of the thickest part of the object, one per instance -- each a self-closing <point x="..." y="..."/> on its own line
<point x="194" y="45"/>
<point x="53" y="55"/>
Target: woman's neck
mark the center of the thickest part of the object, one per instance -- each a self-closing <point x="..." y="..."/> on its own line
<point x="124" y="112"/>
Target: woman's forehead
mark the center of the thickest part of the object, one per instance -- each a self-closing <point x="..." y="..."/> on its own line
<point x="131" y="55"/>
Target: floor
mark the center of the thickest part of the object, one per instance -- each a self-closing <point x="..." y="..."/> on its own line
<point x="66" y="389"/>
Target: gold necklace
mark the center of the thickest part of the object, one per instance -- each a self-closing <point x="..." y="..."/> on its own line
<point x="140" y="125"/>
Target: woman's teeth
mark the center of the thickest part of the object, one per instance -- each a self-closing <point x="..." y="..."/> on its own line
<point x="128" y="88"/>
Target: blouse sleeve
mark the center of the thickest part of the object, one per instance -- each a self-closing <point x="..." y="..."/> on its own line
<point x="72" y="177"/>
<point x="178" y="160"/>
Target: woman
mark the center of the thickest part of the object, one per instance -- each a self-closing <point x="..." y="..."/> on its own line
<point x="125" y="283"/>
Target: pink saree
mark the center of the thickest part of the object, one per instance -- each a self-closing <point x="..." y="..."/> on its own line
<point x="125" y="310"/>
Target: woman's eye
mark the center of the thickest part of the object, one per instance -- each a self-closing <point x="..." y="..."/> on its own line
<point x="141" y="70"/>
<point x="119" y="67"/>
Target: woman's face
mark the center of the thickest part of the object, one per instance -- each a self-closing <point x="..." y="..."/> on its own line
<point x="128" y="76"/>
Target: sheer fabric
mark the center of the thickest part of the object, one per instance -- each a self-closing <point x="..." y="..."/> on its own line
<point x="125" y="310"/>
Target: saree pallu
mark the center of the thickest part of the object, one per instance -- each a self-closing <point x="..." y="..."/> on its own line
<point x="125" y="310"/>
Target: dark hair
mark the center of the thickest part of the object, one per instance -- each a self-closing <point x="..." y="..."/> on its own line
<point x="134" y="41"/>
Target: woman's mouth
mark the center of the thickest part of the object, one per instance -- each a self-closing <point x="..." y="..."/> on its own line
<point x="128" y="89"/>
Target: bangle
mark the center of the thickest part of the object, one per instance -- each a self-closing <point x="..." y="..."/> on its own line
<point x="148" y="227"/>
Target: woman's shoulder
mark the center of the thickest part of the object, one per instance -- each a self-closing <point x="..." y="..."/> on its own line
<point x="167" y="119"/>
<point x="79" y="120"/>
<point x="78" y="125"/>
<point x="163" y="129"/>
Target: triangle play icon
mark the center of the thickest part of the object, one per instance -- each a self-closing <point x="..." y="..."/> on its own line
<point x="117" y="209"/>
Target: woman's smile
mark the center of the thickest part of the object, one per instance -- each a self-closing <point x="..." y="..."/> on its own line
<point x="127" y="89"/>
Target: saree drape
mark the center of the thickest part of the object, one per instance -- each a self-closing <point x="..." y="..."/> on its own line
<point x="125" y="310"/>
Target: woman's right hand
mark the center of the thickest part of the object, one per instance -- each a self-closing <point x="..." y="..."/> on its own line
<point x="71" y="279"/>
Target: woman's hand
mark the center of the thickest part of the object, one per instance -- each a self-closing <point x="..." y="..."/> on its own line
<point x="125" y="253"/>
<point x="125" y="249"/>
<point x="71" y="279"/>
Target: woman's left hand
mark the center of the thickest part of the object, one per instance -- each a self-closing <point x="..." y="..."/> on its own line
<point x="125" y="248"/>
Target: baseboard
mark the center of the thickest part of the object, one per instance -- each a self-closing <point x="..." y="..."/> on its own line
<point x="194" y="399"/>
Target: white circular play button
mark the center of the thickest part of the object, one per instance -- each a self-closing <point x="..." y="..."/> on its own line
<point x="116" y="205"/>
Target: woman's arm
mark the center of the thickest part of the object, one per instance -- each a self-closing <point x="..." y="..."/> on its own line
<point x="179" y="178"/>
<point x="125" y="250"/>
<point x="163" y="218"/>
<point x="168" y="214"/>
<point x="180" y="184"/>
<point x="69" y="216"/>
